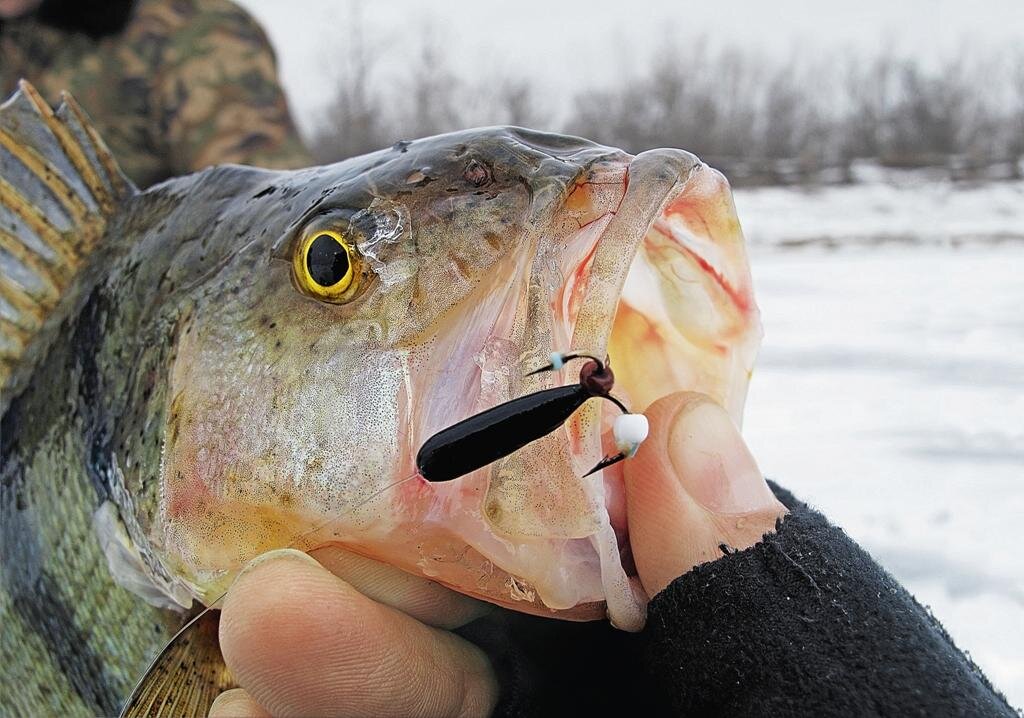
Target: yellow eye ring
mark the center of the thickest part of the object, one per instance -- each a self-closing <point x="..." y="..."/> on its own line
<point x="327" y="267"/>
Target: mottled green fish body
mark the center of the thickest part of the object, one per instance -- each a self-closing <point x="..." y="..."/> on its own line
<point x="73" y="642"/>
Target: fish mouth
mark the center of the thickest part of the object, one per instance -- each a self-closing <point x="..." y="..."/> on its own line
<point x="667" y="297"/>
<point x="641" y="260"/>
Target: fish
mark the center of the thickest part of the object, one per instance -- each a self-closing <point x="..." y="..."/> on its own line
<point x="241" y="359"/>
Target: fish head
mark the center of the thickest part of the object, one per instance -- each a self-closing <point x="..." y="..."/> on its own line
<point x="328" y="321"/>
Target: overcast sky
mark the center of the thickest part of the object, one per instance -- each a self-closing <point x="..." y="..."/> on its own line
<point x="566" y="44"/>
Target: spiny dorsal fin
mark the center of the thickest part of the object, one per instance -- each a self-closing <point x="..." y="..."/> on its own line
<point x="59" y="187"/>
<point x="186" y="677"/>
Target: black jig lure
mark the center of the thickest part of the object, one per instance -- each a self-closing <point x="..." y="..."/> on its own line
<point x="497" y="432"/>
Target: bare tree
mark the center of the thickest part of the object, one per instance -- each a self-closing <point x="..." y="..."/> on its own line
<point x="517" y="104"/>
<point x="354" y="122"/>
<point x="433" y="93"/>
<point x="743" y="111"/>
<point x="1015" y="115"/>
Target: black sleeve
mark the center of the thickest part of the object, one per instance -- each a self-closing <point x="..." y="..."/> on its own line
<point x="803" y="624"/>
<point x="806" y="624"/>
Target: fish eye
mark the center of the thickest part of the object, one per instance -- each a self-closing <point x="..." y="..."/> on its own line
<point x="326" y="266"/>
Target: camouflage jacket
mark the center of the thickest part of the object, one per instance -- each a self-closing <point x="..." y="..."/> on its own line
<point x="188" y="83"/>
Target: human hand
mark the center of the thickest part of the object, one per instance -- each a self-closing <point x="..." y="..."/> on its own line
<point x="692" y="487"/>
<point x="309" y="638"/>
<point x="344" y="635"/>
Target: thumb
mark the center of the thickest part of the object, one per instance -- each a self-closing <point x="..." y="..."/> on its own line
<point x="692" y="487"/>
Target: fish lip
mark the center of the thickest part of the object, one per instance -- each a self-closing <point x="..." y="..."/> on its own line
<point x="706" y="264"/>
<point x="652" y="180"/>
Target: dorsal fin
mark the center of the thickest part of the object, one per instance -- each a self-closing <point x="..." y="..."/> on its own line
<point x="59" y="188"/>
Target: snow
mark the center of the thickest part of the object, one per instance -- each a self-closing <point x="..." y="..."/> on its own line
<point x="917" y="211"/>
<point x="890" y="389"/>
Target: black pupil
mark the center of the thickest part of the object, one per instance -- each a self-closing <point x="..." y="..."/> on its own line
<point x="326" y="260"/>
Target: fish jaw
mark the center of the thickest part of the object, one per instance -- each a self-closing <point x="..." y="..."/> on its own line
<point x="642" y="259"/>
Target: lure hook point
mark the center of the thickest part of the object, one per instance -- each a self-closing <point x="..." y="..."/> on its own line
<point x="629" y="431"/>
<point x="605" y="463"/>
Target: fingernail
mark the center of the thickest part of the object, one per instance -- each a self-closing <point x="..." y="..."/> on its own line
<point x="278" y="554"/>
<point x="713" y="462"/>
<point x="232" y="702"/>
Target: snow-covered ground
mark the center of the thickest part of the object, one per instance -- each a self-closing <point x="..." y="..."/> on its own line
<point x="917" y="210"/>
<point x="890" y="389"/>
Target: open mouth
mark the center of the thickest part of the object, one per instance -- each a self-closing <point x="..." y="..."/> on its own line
<point x="665" y="293"/>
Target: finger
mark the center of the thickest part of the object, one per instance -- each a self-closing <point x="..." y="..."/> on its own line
<point x="692" y="486"/>
<point x="236" y="703"/>
<point x="303" y="642"/>
<point x="419" y="597"/>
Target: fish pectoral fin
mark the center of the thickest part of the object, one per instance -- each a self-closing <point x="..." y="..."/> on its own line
<point x="186" y="677"/>
<point x="127" y="566"/>
<point x="59" y="188"/>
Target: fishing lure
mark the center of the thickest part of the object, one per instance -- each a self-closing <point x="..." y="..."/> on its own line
<point x="497" y="432"/>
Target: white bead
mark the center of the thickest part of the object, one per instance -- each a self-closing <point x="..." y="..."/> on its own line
<point x="629" y="431"/>
<point x="556" y="360"/>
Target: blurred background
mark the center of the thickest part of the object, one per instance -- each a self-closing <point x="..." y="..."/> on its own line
<point x="876" y="149"/>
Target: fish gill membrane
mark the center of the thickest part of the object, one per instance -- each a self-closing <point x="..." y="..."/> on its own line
<point x="258" y="356"/>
